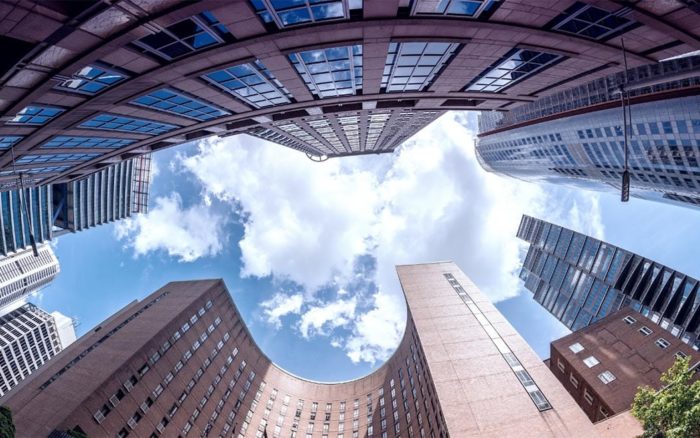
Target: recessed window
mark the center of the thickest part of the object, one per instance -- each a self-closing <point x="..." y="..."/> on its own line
<point x="91" y="80"/>
<point x="180" y="104"/>
<point x="561" y="365"/>
<point x="113" y="122"/>
<point x="680" y="355"/>
<point x="646" y="331"/>
<point x="7" y="141"/>
<point x="575" y="348"/>
<point x="36" y="115"/>
<point x="587" y="395"/>
<point x="591" y="361"/>
<point x="53" y="158"/>
<point x="606" y="377"/>
<point x="412" y="66"/>
<point x="332" y="72"/>
<point x="251" y="82"/>
<point x="629" y="320"/>
<point x="662" y="343"/>
<point x="286" y="13"/>
<point x="592" y="22"/>
<point x="186" y="36"/>
<point x="515" y="66"/>
<point x="467" y="8"/>
<point x="573" y="380"/>
<point x="64" y="142"/>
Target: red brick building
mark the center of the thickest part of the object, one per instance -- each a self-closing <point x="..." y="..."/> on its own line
<point x="602" y="365"/>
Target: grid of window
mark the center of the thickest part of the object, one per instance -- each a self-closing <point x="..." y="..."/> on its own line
<point x="591" y="361"/>
<point x="662" y="343"/>
<point x="91" y="79"/>
<point x="286" y="13"/>
<point x="606" y="377"/>
<point x="52" y="158"/>
<point x="7" y="141"/>
<point x="515" y="66"/>
<point x="251" y="82"/>
<point x="412" y="66"/>
<point x="331" y="72"/>
<point x="591" y="21"/>
<point x="467" y="8"/>
<point x="178" y="103"/>
<point x="520" y="372"/>
<point x="49" y="169"/>
<point x="186" y="36"/>
<point x="36" y="115"/>
<point x="110" y="122"/>
<point x="64" y="141"/>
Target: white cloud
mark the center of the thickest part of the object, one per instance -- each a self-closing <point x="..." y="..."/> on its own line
<point x="309" y="222"/>
<point x="280" y="305"/>
<point x="186" y="233"/>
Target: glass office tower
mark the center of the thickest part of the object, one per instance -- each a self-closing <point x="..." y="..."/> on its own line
<point x="577" y="136"/>
<point x="580" y="279"/>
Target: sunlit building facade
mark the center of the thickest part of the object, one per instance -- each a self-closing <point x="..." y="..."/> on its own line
<point x="580" y="280"/>
<point x="182" y="363"/>
<point x="22" y="274"/>
<point x="354" y="76"/>
<point x="577" y="136"/>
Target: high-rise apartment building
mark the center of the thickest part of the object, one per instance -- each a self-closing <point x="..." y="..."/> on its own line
<point x="22" y="274"/>
<point x="182" y="363"/>
<point x="29" y="337"/>
<point x="577" y="136"/>
<point x="580" y="280"/>
<point x="110" y="194"/>
<point x="603" y="365"/>
<point x="92" y="83"/>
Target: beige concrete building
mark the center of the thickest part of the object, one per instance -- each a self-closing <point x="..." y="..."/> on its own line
<point x="181" y="362"/>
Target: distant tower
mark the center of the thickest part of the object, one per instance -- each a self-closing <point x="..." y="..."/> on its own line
<point x="23" y="274"/>
<point x="29" y="338"/>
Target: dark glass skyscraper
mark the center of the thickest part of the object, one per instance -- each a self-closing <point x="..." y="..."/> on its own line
<point x="577" y="136"/>
<point x="580" y="279"/>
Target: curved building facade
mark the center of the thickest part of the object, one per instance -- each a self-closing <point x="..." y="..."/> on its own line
<point x="182" y="363"/>
<point x="86" y="85"/>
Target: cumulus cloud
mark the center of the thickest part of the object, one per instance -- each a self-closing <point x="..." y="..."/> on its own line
<point x="186" y="233"/>
<point x="310" y="222"/>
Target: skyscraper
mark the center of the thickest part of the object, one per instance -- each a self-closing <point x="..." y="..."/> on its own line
<point x="580" y="279"/>
<point x="29" y="337"/>
<point x="182" y="362"/>
<point x="23" y="274"/>
<point x="577" y="136"/>
<point x="93" y="83"/>
<point x="603" y="365"/>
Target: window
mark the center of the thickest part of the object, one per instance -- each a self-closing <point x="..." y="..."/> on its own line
<point x="8" y="141"/>
<point x="591" y="361"/>
<point x="573" y="380"/>
<point x="467" y="8"/>
<point x="587" y="395"/>
<point x="55" y="158"/>
<point x="186" y="36"/>
<point x="561" y="365"/>
<point x="680" y="355"/>
<point x="591" y="21"/>
<point x="36" y="115"/>
<point x="63" y="141"/>
<point x="629" y="320"/>
<point x="646" y="331"/>
<point x="662" y="343"/>
<point x="575" y="348"/>
<point x="412" y="66"/>
<point x="606" y="377"/>
<point x="100" y="415"/>
<point x="113" y="122"/>
<point x="332" y="72"/>
<point x="251" y="82"/>
<point x="91" y="80"/>
<point x="515" y="66"/>
<point x="298" y="12"/>
<point x="180" y="104"/>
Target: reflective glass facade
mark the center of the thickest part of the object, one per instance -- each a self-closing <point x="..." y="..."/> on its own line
<point x="36" y="115"/>
<point x="515" y="66"/>
<point x="91" y="80"/>
<point x="52" y="158"/>
<point x="179" y="103"/>
<point x="64" y="141"/>
<point x="664" y="147"/>
<point x="412" y="66"/>
<point x="580" y="279"/>
<point x="592" y="21"/>
<point x="463" y="8"/>
<point x="332" y="72"/>
<point x="7" y="141"/>
<point x="251" y="82"/>
<point x="16" y="223"/>
<point x="114" y="122"/>
<point x="286" y="13"/>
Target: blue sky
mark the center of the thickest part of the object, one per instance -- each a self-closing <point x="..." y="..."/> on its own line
<point x="308" y="250"/>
